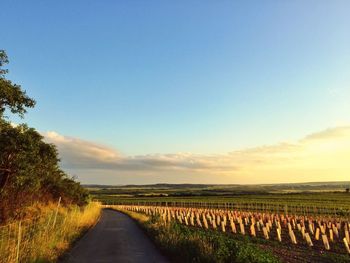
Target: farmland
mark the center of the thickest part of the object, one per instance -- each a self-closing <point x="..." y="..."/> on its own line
<point x="294" y="223"/>
<point x="288" y="238"/>
<point x="312" y="199"/>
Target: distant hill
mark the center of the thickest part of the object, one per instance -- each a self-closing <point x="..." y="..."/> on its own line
<point x="221" y="188"/>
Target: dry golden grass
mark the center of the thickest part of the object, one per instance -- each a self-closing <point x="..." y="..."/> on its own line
<point x="46" y="237"/>
<point x="137" y="216"/>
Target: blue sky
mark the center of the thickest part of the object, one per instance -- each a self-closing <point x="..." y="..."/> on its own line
<point x="205" y="77"/>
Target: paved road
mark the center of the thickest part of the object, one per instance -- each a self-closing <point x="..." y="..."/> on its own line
<point x="115" y="238"/>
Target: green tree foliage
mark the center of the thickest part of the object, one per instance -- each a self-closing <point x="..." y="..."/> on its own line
<point x="11" y="95"/>
<point x="29" y="167"/>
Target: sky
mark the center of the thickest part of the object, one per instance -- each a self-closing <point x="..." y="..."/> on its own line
<point x="187" y="91"/>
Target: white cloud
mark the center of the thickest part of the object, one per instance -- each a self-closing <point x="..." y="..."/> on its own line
<point x="77" y="153"/>
<point x="324" y="155"/>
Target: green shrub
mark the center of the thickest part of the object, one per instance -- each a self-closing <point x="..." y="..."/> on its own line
<point x="188" y="244"/>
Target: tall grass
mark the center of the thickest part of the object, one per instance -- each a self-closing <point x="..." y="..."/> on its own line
<point x="48" y="236"/>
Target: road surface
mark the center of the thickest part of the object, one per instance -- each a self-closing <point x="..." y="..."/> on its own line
<point x="115" y="238"/>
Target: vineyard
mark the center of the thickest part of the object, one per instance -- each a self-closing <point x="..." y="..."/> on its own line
<point x="327" y="204"/>
<point x="318" y="233"/>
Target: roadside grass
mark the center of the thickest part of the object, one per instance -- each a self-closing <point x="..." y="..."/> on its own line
<point x="185" y="244"/>
<point x="46" y="237"/>
<point x="141" y="218"/>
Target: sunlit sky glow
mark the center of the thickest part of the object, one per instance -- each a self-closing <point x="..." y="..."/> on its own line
<point x="187" y="91"/>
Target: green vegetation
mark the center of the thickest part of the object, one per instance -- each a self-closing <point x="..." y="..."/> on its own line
<point x="219" y="189"/>
<point x="275" y="199"/>
<point x="183" y="244"/>
<point x="12" y="97"/>
<point x="29" y="167"/>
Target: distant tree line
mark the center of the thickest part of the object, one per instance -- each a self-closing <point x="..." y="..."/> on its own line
<point x="29" y="167"/>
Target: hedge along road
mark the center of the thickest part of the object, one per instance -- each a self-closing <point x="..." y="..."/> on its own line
<point x="115" y="238"/>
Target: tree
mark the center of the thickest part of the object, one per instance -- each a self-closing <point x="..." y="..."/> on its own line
<point x="30" y="172"/>
<point x="11" y="95"/>
<point x="29" y="167"/>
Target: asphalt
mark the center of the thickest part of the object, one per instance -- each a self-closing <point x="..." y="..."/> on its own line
<point x="115" y="238"/>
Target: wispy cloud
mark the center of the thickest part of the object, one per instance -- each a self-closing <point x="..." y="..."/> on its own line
<point x="324" y="155"/>
<point x="330" y="133"/>
<point x="77" y="153"/>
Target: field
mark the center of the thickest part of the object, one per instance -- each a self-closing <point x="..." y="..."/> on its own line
<point x="295" y="223"/>
<point x="302" y="199"/>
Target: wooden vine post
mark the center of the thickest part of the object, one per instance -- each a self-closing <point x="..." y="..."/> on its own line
<point x="346" y="244"/>
<point x="308" y="240"/>
<point x="279" y="234"/>
<point x="292" y="237"/>
<point x="18" y="241"/>
<point x="56" y="212"/>
<point x="325" y="242"/>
